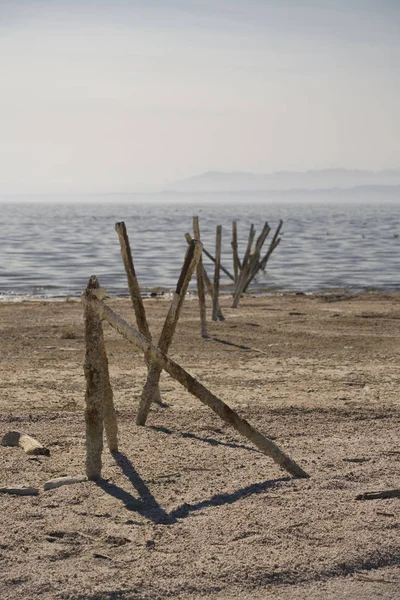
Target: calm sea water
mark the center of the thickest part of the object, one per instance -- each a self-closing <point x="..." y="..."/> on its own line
<point x="50" y="250"/>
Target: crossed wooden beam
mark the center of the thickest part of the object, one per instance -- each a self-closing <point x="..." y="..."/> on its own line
<point x="100" y="413"/>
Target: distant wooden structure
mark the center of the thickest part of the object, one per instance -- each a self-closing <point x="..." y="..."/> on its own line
<point x="244" y="271"/>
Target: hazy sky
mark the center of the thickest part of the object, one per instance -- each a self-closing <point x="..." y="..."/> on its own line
<point x="107" y="95"/>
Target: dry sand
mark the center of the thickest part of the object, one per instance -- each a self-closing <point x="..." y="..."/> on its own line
<point x="189" y="509"/>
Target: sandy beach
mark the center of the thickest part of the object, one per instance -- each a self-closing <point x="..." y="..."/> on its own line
<point x="189" y="509"/>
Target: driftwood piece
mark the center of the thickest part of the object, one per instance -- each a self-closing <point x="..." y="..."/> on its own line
<point x="99" y="396"/>
<point x="200" y="283"/>
<point x="274" y="243"/>
<point x="234" y="244"/>
<point x="134" y="289"/>
<point x="192" y="257"/>
<point x="19" y="490"/>
<point x="228" y="415"/>
<point x="60" y="481"/>
<point x="26" y="442"/>
<point x="207" y="282"/>
<point x="379" y="495"/>
<point x="218" y="240"/>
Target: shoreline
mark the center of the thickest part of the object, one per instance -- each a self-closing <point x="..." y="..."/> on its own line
<point x="166" y="294"/>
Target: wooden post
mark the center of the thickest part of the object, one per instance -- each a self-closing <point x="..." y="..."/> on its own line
<point x="192" y="257"/>
<point x="99" y="400"/>
<point x="228" y="415"/>
<point x="207" y="282"/>
<point x="134" y="288"/>
<point x="200" y="283"/>
<point x="274" y="243"/>
<point x="234" y="244"/>
<point x="218" y="240"/>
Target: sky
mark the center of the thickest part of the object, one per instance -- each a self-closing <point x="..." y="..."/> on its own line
<point x="123" y="95"/>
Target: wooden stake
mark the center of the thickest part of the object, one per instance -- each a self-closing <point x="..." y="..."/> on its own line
<point x="192" y="257"/>
<point x="200" y="283"/>
<point x="207" y="282"/>
<point x="274" y="243"/>
<point x="218" y="240"/>
<point x="228" y="415"/>
<point x="99" y="397"/>
<point x="28" y="444"/>
<point x="234" y="244"/>
<point x="134" y="288"/>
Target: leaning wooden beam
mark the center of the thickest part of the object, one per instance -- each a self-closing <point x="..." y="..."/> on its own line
<point x="134" y="288"/>
<point x="234" y="244"/>
<point x="218" y="240"/>
<point x="211" y="257"/>
<point x="99" y="398"/>
<point x="200" y="283"/>
<point x="192" y="257"/>
<point x="28" y="444"/>
<point x="274" y="243"/>
<point x="228" y="415"/>
<point x="207" y="282"/>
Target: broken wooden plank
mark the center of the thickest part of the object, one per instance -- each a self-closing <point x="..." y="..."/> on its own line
<point x="228" y="415"/>
<point x="29" y="444"/>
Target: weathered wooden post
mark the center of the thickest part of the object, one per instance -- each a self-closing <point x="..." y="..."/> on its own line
<point x="134" y="289"/>
<point x="207" y="282"/>
<point x="200" y="283"/>
<point x="234" y="244"/>
<point x="192" y="258"/>
<point x="218" y="240"/>
<point x="99" y="397"/>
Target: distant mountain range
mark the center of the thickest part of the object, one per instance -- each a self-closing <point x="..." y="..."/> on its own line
<point x="216" y="181"/>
